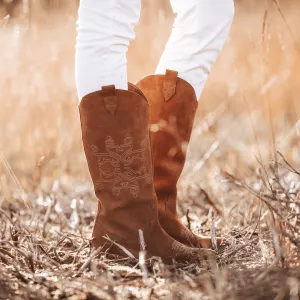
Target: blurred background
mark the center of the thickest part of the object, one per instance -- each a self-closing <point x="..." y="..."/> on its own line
<point x="241" y="179"/>
<point x="248" y="111"/>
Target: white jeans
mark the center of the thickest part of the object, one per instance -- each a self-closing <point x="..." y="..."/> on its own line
<point x="106" y="27"/>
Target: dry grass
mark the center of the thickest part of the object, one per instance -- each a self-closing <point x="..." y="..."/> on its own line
<point x="241" y="179"/>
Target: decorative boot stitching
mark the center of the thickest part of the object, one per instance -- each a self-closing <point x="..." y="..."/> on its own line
<point x="180" y="248"/>
<point x="116" y="168"/>
<point x="187" y="234"/>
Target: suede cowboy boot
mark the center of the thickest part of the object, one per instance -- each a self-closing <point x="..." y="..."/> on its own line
<point x="173" y="106"/>
<point x="115" y="134"/>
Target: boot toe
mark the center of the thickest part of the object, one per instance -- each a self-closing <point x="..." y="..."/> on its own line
<point x="187" y="254"/>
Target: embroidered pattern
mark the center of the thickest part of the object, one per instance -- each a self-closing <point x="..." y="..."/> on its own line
<point x="180" y="248"/>
<point x="187" y="234"/>
<point x="121" y="166"/>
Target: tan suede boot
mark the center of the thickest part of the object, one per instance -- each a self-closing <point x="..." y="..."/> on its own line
<point x="115" y="133"/>
<point x="173" y="106"/>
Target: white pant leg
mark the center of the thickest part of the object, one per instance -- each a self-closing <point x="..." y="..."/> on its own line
<point x="199" y="33"/>
<point x="105" y="28"/>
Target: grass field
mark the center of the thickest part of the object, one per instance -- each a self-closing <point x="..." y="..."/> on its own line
<point x="242" y="177"/>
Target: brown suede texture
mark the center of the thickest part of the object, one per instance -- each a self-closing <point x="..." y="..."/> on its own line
<point x="173" y="105"/>
<point x="115" y="134"/>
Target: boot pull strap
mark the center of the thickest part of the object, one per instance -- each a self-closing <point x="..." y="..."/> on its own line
<point x="170" y="82"/>
<point x="110" y="98"/>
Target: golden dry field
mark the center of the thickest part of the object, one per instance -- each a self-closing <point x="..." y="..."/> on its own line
<point x="241" y="181"/>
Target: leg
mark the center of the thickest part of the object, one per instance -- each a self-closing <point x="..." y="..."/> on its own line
<point x="198" y="35"/>
<point x="115" y="133"/>
<point x="105" y="29"/>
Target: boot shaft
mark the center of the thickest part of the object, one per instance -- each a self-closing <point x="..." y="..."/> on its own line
<point x="116" y="142"/>
<point x="173" y="106"/>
